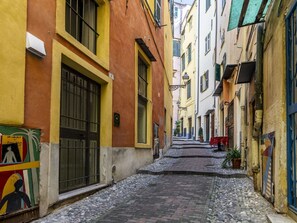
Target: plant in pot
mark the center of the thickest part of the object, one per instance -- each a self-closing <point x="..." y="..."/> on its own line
<point x="200" y="133"/>
<point x="233" y="157"/>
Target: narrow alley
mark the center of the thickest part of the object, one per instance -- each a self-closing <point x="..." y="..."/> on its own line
<point x="186" y="185"/>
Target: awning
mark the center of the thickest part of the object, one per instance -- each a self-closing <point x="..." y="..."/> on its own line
<point x="228" y="71"/>
<point x="219" y="89"/>
<point x="246" y="72"/>
<point x="145" y="49"/>
<point x="247" y="12"/>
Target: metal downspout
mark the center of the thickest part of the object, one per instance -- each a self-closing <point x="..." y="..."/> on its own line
<point x="258" y="116"/>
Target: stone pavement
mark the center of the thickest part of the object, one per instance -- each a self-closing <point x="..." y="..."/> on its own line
<point x="186" y="185"/>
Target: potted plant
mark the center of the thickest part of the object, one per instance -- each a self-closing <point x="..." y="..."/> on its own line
<point x="200" y="133"/>
<point x="233" y="157"/>
<point x="177" y="129"/>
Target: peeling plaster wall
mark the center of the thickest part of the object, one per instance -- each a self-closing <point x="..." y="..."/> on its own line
<point x="274" y="97"/>
<point x="125" y="161"/>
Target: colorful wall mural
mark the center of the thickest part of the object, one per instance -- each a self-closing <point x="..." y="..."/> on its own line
<point x="268" y="141"/>
<point x="19" y="168"/>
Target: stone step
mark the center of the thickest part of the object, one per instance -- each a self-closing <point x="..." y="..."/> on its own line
<point x="278" y="218"/>
<point x="189" y="172"/>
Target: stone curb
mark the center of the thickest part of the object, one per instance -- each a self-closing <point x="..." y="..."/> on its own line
<point x="187" y="172"/>
<point x="194" y="156"/>
<point x="278" y="218"/>
<point x="190" y="147"/>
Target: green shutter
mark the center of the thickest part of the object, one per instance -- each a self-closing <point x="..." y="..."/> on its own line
<point x="218" y="72"/>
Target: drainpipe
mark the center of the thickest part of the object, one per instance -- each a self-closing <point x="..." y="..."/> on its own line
<point x="243" y="126"/>
<point x="258" y="116"/>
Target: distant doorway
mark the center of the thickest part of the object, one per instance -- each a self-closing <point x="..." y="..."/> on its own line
<point x="207" y="127"/>
<point x="190" y="127"/>
<point x="231" y="124"/>
<point x="212" y="128"/>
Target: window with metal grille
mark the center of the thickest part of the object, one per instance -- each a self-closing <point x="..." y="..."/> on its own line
<point x="176" y="48"/>
<point x="189" y="53"/>
<point x="79" y="131"/>
<point x="81" y="22"/>
<point x="207" y="6"/>
<point x="188" y="89"/>
<point x="142" y="102"/>
<point x="157" y="14"/>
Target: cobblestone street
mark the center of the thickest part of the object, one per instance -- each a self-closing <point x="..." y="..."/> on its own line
<point x="186" y="185"/>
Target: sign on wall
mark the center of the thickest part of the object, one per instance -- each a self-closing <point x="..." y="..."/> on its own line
<point x="268" y="141"/>
<point x="19" y="168"/>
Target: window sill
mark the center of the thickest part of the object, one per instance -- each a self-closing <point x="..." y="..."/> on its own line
<point x="82" y="48"/>
<point x="80" y="191"/>
<point x="142" y="146"/>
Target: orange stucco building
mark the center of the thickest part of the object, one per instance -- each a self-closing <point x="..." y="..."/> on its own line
<point x="85" y="97"/>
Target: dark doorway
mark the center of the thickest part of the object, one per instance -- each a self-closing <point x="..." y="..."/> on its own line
<point x="212" y="124"/>
<point x="231" y="124"/>
<point x="79" y="131"/>
<point x="190" y="128"/>
<point x="207" y="128"/>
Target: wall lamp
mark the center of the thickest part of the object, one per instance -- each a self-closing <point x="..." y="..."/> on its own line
<point x="179" y="107"/>
<point x="175" y="87"/>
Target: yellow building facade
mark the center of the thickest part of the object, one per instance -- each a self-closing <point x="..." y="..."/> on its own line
<point x="188" y="73"/>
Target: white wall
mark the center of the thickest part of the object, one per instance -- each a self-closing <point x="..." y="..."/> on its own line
<point x="183" y="8"/>
<point x="207" y="24"/>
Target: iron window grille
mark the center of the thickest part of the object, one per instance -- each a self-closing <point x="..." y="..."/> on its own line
<point x="157" y="13"/>
<point x="79" y="131"/>
<point x="81" y="22"/>
<point x="142" y="102"/>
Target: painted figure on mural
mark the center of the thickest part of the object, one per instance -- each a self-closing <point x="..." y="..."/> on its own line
<point x="10" y="153"/>
<point x="9" y="156"/>
<point x="14" y="199"/>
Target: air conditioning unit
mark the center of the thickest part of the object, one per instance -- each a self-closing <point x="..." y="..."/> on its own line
<point x="35" y="45"/>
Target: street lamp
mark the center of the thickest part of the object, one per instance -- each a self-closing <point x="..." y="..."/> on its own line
<point x="179" y="107"/>
<point x="175" y="87"/>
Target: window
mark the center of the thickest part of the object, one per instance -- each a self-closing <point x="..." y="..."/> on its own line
<point x="188" y="89"/>
<point x="207" y="43"/>
<point x="79" y="131"/>
<point x="190" y="23"/>
<point x="176" y="48"/>
<point x="204" y="82"/>
<point x="222" y="34"/>
<point x="223" y="5"/>
<point x="175" y="12"/>
<point x="157" y="14"/>
<point x="224" y="62"/>
<point x="142" y="102"/>
<point x="189" y="53"/>
<point x="81" y="16"/>
<point x="207" y="5"/>
<point x="183" y="62"/>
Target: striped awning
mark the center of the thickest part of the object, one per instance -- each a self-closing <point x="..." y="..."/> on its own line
<point x="247" y="12"/>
